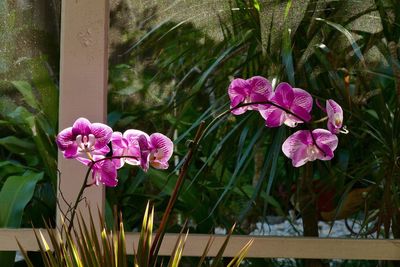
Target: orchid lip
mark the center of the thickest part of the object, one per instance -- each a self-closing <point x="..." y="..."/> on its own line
<point x="338" y="120"/>
<point x="313" y="152"/>
<point x="86" y="142"/>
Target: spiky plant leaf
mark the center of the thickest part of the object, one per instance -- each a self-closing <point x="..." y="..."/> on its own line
<point x="143" y="251"/>
<point x="206" y="250"/>
<point x="237" y="260"/>
<point x="217" y="261"/>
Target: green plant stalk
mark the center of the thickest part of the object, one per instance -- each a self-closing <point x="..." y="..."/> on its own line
<point x="155" y="247"/>
<point x="84" y="186"/>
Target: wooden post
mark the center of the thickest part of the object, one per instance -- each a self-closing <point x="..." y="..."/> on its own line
<point x="83" y="88"/>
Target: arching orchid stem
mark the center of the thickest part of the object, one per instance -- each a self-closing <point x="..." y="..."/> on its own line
<point x="272" y="104"/>
<point x="226" y="112"/>
<point x="289" y="112"/>
<point x="307" y="124"/>
<point x="86" y="185"/>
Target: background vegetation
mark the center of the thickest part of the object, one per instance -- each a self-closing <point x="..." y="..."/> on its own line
<point x="169" y="72"/>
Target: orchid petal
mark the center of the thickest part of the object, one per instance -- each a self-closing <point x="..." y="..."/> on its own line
<point x="162" y="149"/>
<point x="291" y="120"/>
<point x="105" y="172"/>
<point x="302" y="99"/>
<point x="301" y="113"/>
<point x="275" y="117"/>
<point x="118" y="141"/>
<point x="132" y="135"/>
<point x="102" y="151"/>
<point x="327" y="141"/>
<point x="71" y="151"/>
<point x="144" y="152"/>
<point x="284" y="95"/>
<point x="335" y="116"/>
<point x="81" y="127"/>
<point x="83" y="160"/>
<point x="235" y="102"/>
<point x="255" y="89"/>
<point x="65" y="139"/>
<point x="300" y="146"/>
<point x="300" y="157"/>
<point x="102" y="134"/>
<point x="297" y="140"/>
<point x="260" y="86"/>
<point x="238" y="87"/>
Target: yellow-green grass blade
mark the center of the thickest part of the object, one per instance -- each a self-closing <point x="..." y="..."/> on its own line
<point x="235" y="262"/>
<point x="25" y="254"/>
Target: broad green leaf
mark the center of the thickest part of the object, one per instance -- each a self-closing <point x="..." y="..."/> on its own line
<point x="17" y="145"/>
<point x="10" y="167"/>
<point x="18" y="116"/>
<point x="15" y="194"/>
<point x="26" y="91"/>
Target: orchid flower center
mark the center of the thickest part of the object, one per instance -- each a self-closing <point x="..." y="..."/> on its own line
<point x="337" y="119"/>
<point x="157" y="154"/>
<point x="313" y="152"/>
<point x="86" y="142"/>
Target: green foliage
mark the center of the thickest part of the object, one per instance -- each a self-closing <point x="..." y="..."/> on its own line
<point x="174" y="75"/>
<point x="83" y="247"/>
<point x="28" y="119"/>
<point x="15" y="194"/>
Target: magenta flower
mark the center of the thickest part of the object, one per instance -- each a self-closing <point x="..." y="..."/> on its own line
<point x="301" y="148"/>
<point x="155" y="150"/>
<point x="335" y="116"/>
<point x="294" y="100"/>
<point x="103" y="171"/>
<point x="255" y="89"/>
<point x="127" y="147"/>
<point x="84" y="138"/>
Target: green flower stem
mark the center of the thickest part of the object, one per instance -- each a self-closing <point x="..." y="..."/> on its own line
<point x="86" y="185"/>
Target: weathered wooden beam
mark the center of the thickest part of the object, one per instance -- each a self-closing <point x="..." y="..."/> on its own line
<point x="83" y="87"/>
<point x="263" y="247"/>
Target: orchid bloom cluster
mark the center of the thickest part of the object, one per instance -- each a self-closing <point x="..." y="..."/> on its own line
<point x="89" y="144"/>
<point x="289" y="106"/>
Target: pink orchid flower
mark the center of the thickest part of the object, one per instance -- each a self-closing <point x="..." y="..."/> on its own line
<point x="84" y="138"/>
<point x="103" y="171"/>
<point x="155" y="150"/>
<point x="255" y="89"/>
<point x="295" y="100"/>
<point x="335" y="116"/>
<point x="127" y="147"/>
<point x="301" y="148"/>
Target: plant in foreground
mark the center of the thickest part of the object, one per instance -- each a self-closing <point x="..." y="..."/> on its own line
<point x="86" y="246"/>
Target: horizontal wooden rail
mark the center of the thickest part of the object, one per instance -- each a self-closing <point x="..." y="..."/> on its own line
<point x="263" y="247"/>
